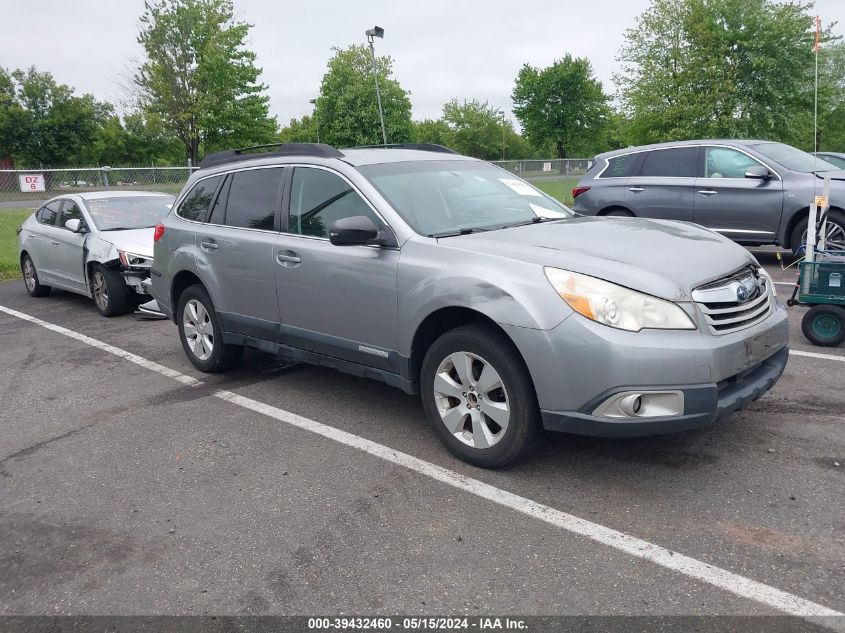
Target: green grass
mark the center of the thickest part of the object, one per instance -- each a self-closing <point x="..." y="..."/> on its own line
<point x="559" y="189"/>
<point x="10" y="220"/>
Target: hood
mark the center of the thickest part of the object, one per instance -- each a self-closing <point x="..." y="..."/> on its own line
<point x="137" y="241"/>
<point x="663" y="258"/>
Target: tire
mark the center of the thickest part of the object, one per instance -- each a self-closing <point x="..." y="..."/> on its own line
<point x="30" y="279"/>
<point x="618" y="213"/>
<point x="195" y="310"/>
<point x="835" y="229"/>
<point x="109" y="291"/>
<point x="472" y="434"/>
<point x="824" y="325"/>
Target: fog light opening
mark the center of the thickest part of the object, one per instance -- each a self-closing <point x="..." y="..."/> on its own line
<point x="642" y="404"/>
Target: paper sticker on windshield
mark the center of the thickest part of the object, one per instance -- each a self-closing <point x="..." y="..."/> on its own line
<point x="519" y="187"/>
<point x="543" y="212"/>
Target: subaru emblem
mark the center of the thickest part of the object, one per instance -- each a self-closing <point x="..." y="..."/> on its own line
<point x="742" y="294"/>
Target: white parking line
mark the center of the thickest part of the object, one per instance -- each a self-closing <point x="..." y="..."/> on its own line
<point x="798" y="352"/>
<point x="694" y="568"/>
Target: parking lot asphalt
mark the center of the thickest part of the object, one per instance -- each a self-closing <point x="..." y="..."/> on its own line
<point x="123" y="491"/>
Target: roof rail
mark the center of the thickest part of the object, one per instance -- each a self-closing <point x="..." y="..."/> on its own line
<point x="423" y="147"/>
<point x="281" y="149"/>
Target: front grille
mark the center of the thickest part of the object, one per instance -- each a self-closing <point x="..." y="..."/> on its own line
<point x="724" y="312"/>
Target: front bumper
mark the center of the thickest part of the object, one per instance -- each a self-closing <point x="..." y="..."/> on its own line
<point x="138" y="279"/>
<point x="703" y="405"/>
<point x="580" y="364"/>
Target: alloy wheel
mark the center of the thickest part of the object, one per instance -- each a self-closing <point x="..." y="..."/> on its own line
<point x="101" y="291"/>
<point x="835" y="238"/>
<point x="198" y="329"/>
<point x="471" y="400"/>
<point x="29" y="274"/>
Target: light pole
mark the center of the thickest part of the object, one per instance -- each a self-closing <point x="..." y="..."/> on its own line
<point x="374" y="32"/>
<point x="316" y="117"/>
<point x="502" y="112"/>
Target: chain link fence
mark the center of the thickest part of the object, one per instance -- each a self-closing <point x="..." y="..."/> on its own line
<point x="24" y="190"/>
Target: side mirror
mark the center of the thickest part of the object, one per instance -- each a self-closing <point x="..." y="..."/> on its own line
<point x="758" y="172"/>
<point x="75" y="225"/>
<point x="358" y="229"/>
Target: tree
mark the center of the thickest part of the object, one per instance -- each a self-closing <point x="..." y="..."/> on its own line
<point x="562" y="104"/>
<point x="198" y="77"/>
<point x="147" y="141"/>
<point x="832" y="97"/>
<point x="302" y="130"/>
<point x="432" y="131"/>
<point x="475" y="128"/>
<point x="720" y="68"/>
<point x="43" y="123"/>
<point x="347" y="108"/>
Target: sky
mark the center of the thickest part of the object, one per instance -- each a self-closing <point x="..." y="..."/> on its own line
<point x="469" y="49"/>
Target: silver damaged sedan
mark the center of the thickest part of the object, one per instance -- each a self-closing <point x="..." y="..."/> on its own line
<point x="98" y="244"/>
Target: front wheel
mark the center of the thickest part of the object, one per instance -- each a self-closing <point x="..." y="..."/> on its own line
<point x="201" y="334"/>
<point x="109" y="291"/>
<point x="478" y="396"/>
<point x="824" y="325"/>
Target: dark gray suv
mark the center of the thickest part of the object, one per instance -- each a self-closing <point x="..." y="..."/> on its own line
<point x="755" y="192"/>
<point x="448" y="277"/>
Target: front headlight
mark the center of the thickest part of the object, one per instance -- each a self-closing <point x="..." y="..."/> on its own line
<point x="131" y="260"/>
<point x="769" y="281"/>
<point x="616" y="306"/>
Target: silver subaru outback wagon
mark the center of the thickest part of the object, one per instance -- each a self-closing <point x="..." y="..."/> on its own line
<point x="450" y="278"/>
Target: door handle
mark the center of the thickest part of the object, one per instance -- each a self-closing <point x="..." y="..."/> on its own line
<point x="30" y="234"/>
<point x="209" y="245"/>
<point x="636" y="189"/>
<point x="288" y="258"/>
<point x="54" y="242"/>
<point x="707" y="192"/>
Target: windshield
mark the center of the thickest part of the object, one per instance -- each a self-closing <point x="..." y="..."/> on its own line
<point x="793" y="158"/>
<point x="128" y="212"/>
<point x="443" y="197"/>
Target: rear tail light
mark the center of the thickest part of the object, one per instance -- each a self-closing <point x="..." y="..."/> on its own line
<point x="577" y="191"/>
<point x="159" y="232"/>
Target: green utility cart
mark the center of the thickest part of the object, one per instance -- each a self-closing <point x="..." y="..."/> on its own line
<point x="821" y="284"/>
<point x="821" y="278"/>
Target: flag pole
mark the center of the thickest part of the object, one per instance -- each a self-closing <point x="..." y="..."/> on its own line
<point x="816" y="91"/>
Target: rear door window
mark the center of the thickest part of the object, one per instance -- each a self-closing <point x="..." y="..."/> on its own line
<point x="623" y="166"/>
<point x="674" y="162"/>
<point x="195" y="205"/>
<point x="254" y="198"/>
<point x="49" y="212"/>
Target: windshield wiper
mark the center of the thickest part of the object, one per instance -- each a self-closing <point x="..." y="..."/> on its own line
<point x="535" y="220"/>
<point x="464" y="231"/>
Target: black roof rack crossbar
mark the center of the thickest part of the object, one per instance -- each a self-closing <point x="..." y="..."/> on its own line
<point x="264" y="151"/>
<point x="423" y="147"/>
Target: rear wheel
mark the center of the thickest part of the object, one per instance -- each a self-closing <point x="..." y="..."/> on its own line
<point x="201" y="334"/>
<point x="479" y="398"/>
<point x="30" y="278"/>
<point x="619" y="213"/>
<point x="824" y="325"/>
